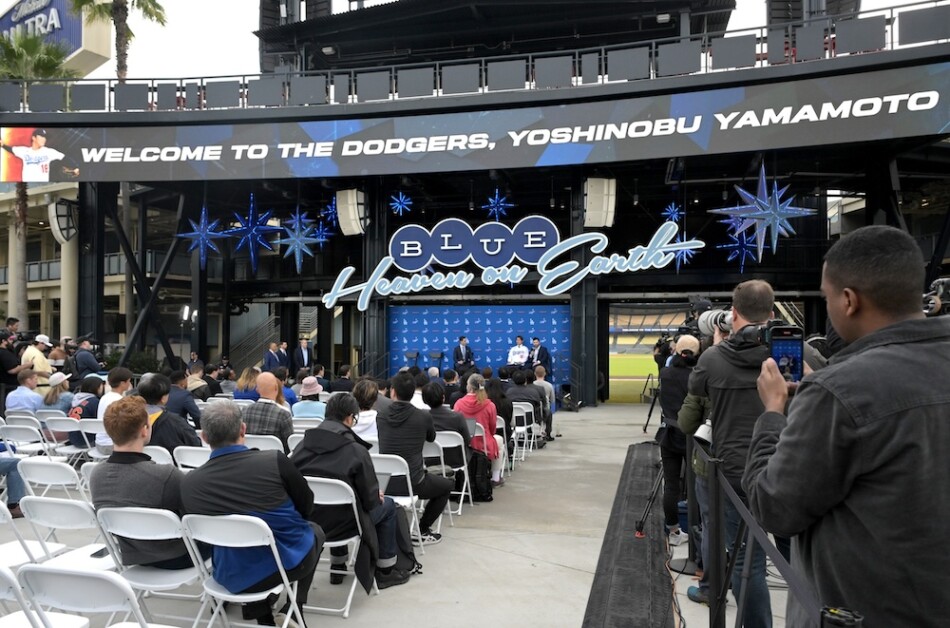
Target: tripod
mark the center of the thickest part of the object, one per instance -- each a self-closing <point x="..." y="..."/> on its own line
<point x="656" y="393"/>
<point x="646" y="509"/>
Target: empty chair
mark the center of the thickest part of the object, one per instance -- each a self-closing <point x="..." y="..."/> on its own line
<point x="238" y="531"/>
<point x="188" y="458"/>
<point x="56" y="514"/>
<point x="29" y="615"/>
<point x="21" y="551"/>
<point x="83" y="592"/>
<point x="159" y="455"/>
<point x="452" y="440"/>
<point x="25" y="439"/>
<point x="67" y="425"/>
<point x="45" y="413"/>
<point x="396" y="466"/>
<point x="324" y="396"/>
<point x="263" y="442"/>
<point x="432" y="451"/>
<point x="94" y="426"/>
<point x="302" y="424"/>
<point x="41" y="474"/>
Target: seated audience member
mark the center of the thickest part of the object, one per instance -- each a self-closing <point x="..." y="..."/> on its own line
<point x="403" y="429"/>
<point x="246" y="385"/>
<point x="16" y="489"/>
<point x="302" y="374"/>
<point x="25" y="397"/>
<point x="445" y="419"/>
<point x="382" y="396"/>
<point x="309" y="406"/>
<point x="268" y="415"/>
<point x="318" y="372"/>
<point x="226" y="380"/>
<point x="343" y="383"/>
<point x="502" y="406"/>
<point x="487" y="373"/>
<point x="211" y="379"/>
<point x="264" y="484"/>
<point x="129" y="478"/>
<point x="180" y="401"/>
<point x="332" y="450"/>
<point x="421" y="380"/>
<point x="539" y="380"/>
<point x="461" y="392"/>
<point x="531" y="394"/>
<point x="169" y="430"/>
<point x="290" y="398"/>
<point x="504" y="376"/>
<point x="433" y="373"/>
<point x="120" y="382"/>
<point x="366" y="394"/>
<point x="451" y="383"/>
<point x="476" y="405"/>
<point x="57" y="396"/>
<point x="85" y="405"/>
<point x="197" y="385"/>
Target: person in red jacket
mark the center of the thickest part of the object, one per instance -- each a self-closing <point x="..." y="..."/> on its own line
<point x="476" y="405"/>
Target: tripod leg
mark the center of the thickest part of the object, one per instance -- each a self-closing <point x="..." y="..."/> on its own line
<point x="650" y="413"/>
<point x="646" y="509"/>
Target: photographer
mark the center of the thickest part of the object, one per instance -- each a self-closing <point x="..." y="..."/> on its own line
<point x="858" y="469"/>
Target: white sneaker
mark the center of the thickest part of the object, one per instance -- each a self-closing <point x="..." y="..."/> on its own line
<point x="678" y="537"/>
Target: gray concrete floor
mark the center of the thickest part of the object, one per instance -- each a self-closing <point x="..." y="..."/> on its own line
<point x="526" y="559"/>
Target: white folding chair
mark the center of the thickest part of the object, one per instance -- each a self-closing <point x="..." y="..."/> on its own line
<point x="21" y="551"/>
<point x="243" y="402"/>
<point x="323" y="396"/>
<point x="434" y="450"/>
<point x="45" y="413"/>
<point x="85" y="473"/>
<point x="25" y="439"/>
<point x="150" y="524"/>
<point x="452" y="440"/>
<point x="521" y="434"/>
<point x="83" y="592"/>
<point x="56" y="514"/>
<point x="534" y="428"/>
<point x="67" y="425"/>
<point x="159" y="455"/>
<point x="373" y="444"/>
<point x="329" y="493"/>
<point x="263" y="442"/>
<point x="396" y="466"/>
<point x="41" y="474"/>
<point x="302" y="424"/>
<point x="237" y="531"/>
<point x="500" y="425"/>
<point x="30" y="615"/>
<point x="188" y="457"/>
<point x="294" y="440"/>
<point x="94" y="426"/>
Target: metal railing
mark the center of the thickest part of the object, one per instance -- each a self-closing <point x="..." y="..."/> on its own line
<point x="585" y="68"/>
<point x="249" y="349"/>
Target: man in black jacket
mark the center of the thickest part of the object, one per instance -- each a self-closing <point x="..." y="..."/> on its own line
<point x="403" y="429"/>
<point x="521" y="391"/>
<point x="444" y="419"/>
<point x="169" y="430"/>
<point x="333" y="451"/>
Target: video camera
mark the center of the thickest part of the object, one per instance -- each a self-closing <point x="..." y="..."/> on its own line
<point x="937" y="301"/>
<point x="711" y="320"/>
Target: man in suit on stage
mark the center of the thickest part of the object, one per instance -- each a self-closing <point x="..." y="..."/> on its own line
<point x="283" y="356"/>
<point x="463" y="357"/>
<point x="303" y="357"/>
<point x="271" y="358"/>
<point x="538" y="356"/>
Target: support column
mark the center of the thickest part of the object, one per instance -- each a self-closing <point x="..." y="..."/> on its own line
<point x="289" y="314"/>
<point x="199" y="303"/>
<point x="324" y="349"/>
<point x="93" y="199"/>
<point x="375" y="343"/>
<point x="16" y="266"/>
<point x="583" y="313"/>
<point x="143" y="263"/>
<point x="69" y="288"/>
<point x="227" y="272"/>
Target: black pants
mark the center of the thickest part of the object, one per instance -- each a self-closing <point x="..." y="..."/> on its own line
<point x="672" y="487"/>
<point x="302" y="574"/>
<point x="436" y="489"/>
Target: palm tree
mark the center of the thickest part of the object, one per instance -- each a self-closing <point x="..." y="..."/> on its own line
<point x="26" y="58"/>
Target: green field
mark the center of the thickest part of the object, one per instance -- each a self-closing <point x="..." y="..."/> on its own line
<point x="628" y="374"/>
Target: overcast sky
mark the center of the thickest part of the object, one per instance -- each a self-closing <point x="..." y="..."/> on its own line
<point x="215" y="37"/>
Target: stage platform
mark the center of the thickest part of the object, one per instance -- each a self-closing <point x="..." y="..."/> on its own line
<point x="527" y="559"/>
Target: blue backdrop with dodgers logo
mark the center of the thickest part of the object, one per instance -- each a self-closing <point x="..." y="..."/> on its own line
<point x="491" y="331"/>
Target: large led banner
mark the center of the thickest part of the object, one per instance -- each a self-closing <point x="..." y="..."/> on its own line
<point x="860" y="107"/>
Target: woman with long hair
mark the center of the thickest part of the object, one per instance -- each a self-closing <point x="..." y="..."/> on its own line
<point x="58" y="396"/>
<point x="496" y="392"/>
<point x="85" y="405"/>
<point x="246" y="387"/>
<point x="476" y="405"/>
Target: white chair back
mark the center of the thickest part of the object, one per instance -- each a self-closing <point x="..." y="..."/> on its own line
<point x="80" y="591"/>
<point x="19" y="419"/>
<point x="24" y="438"/>
<point x="92" y="426"/>
<point x="323" y="396"/>
<point x="159" y="455"/>
<point x="10" y="591"/>
<point x="66" y="514"/>
<point x="86" y="472"/>
<point x="302" y="424"/>
<point x="373" y="444"/>
<point x="188" y="457"/>
<point x="38" y="473"/>
<point x="263" y="442"/>
<point x="293" y="441"/>
<point x="46" y="413"/>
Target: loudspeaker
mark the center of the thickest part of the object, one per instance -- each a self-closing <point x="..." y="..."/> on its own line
<point x="600" y="200"/>
<point x="351" y="210"/>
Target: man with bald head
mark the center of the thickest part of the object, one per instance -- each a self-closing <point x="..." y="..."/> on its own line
<point x="267" y="415"/>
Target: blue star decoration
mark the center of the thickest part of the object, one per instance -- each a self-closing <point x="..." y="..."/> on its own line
<point x="683" y="256"/>
<point x="673" y="212"/>
<point x="497" y="206"/>
<point x="299" y="238"/>
<point x="732" y="223"/>
<point x="400" y="204"/>
<point x="740" y="247"/>
<point x="767" y="213"/>
<point x="330" y="214"/>
<point x="253" y="233"/>
<point x="322" y="233"/>
<point x="203" y="236"/>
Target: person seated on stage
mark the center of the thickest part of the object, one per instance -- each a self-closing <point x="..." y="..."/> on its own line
<point x="169" y="430"/>
<point x="518" y="354"/>
<point x="281" y="373"/>
<point x="532" y="394"/>
<point x="462" y="356"/>
<point x="265" y="484"/>
<point x="447" y="420"/>
<point x="182" y="402"/>
<point x="366" y="393"/>
<point x="538" y="356"/>
<point x="476" y="405"/>
<point x="451" y="385"/>
<point x="130" y="478"/>
<point x="403" y="429"/>
<point x="342" y="383"/>
<point x="269" y="415"/>
<point x="197" y="385"/>
<point x="309" y="406"/>
<point x="421" y="379"/>
<point x="334" y="451"/>
<point x="246" y="385"/>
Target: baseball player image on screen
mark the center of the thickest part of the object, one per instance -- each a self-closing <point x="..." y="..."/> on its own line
<point x="37" y="158"/>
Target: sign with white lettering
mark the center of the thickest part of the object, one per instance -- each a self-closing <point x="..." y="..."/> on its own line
<point x="88" y="44"/>
<point x="503" y="254"/>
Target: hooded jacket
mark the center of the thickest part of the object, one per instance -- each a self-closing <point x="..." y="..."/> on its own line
<point x="403" y="428"/>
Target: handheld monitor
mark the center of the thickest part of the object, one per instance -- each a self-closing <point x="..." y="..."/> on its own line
<point x="786" y="346"/>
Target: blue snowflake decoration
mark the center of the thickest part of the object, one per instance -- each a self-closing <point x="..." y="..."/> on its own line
<point x="329" y="213"/>
<point x="202" y="237"/>
<point x="322" y="234"/>
<point x="673" y="212"/>
<point x="733" y="223"/>
<point x="299" y="238"/>
<point x="740" y="247"/>
<point x="497" y="206"/>
<point x="253" y="233"/>
<point x="683" y="256"/>
<point x="400" y="204"/>
<point x="767" y="213"/>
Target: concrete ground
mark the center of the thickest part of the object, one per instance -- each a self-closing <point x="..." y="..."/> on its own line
<point x="527" y="558"/>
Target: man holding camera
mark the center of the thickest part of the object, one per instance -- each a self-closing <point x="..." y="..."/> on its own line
<point x="726" y="374"/>
<point x="858" y="469"/>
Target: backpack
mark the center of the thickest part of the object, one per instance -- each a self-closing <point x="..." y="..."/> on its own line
<point x="405" y="556"/>
<point x="479" y="471"/>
